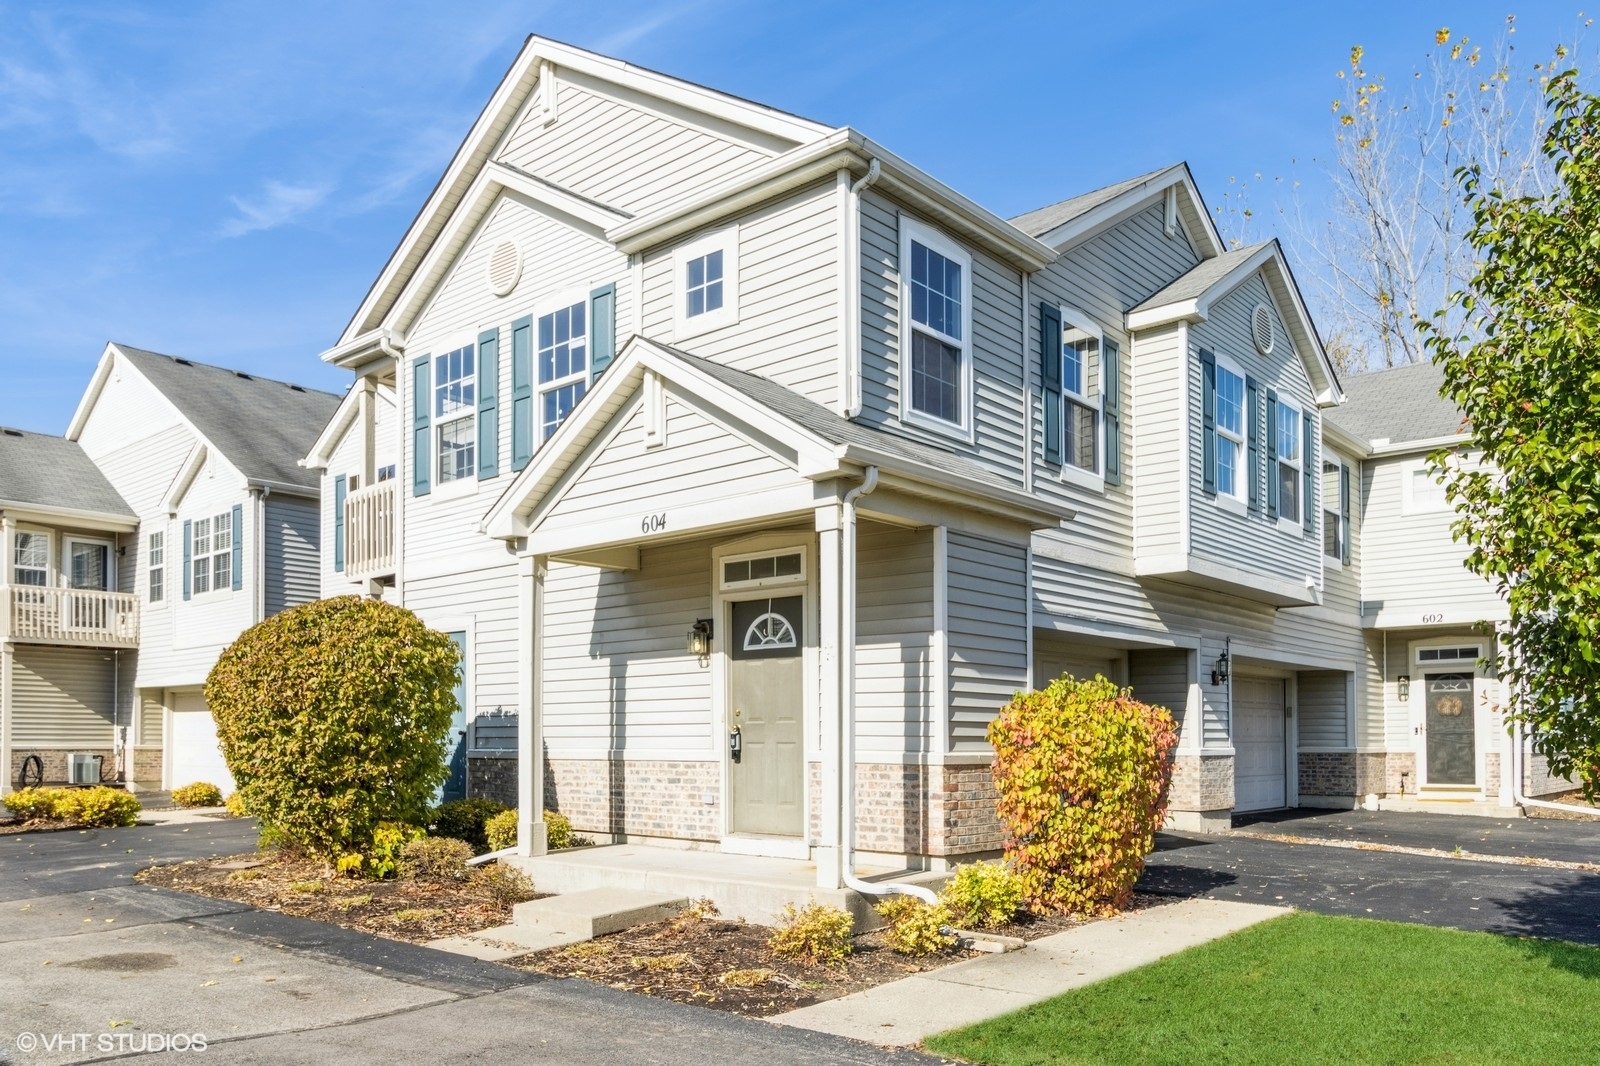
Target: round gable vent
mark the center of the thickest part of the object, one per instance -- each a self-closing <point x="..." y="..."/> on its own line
<point x="1261" y="329"/>
<point x="505" y="267"/>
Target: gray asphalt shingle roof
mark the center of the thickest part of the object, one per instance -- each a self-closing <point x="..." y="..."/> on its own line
<point x="1044" y="219"/>
<point x="54" y="472"/>
<point x="1204" y="275"/>
<point x="263" y="427"/>
<point x="1398" y="404"/>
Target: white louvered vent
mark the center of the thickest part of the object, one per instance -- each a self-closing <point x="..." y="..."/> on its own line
<point x="505" y="267"/>
<point x="1261" y="329"/>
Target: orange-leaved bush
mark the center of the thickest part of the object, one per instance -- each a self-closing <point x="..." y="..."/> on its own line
<point x="1082" y="770"/>
<point x="332" y="717"/>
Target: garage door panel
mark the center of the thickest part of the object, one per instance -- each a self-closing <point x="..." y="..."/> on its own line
<point x="195" y="753"/>
<point x="1259" y="735"/>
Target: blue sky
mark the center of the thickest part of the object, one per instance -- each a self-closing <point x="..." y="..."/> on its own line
<point x="224" y="180"/>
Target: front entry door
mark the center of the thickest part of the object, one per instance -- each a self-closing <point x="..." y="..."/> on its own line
<point x="766" y="700"/>
<point x="1452" y="750"/>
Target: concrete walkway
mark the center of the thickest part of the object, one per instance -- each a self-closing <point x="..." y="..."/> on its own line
<point x="904" y="1013"/>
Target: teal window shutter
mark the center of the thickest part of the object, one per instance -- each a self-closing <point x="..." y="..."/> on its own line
<point x="340" y="490"/>
<point x="1050" y="379"/>
<point x="188" y="556"/>
<point x="602" y="329"/>
<point x="521" y="392"/>
<point x="1111" y="392"/>
<point x="1272" y="454"/>
<point x="1308" y="470"/>
<point x="421" y="463"/>
<point x="1344" y="514"/>
<point x="238" y="547"/>
<point x="488" y="404"/>
<point x="1252" y="436"/>
<point x="1208" y="421"/>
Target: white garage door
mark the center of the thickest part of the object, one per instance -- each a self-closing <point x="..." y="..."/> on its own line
<point x="193" y="747"/>
<point x="1258" y="740"/>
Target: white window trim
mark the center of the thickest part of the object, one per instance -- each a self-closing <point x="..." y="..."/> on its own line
<point x="727" y="241"/>
<point x="1090" y="479"/>
<point x="461" y="486"/>
<point x="163" y="567"/>
<point x="932" y="239"/>
<point x="1295" y="526"/>
<point x="549" y="305"/>
<point x="1336" y="562"/>
<point x="108" y="543"/>
<point x="1239" y="499"/>
<point x="1408" y="502"/>
<point x="802" y="578"/>
<point x="210" y="556"/>
<point x="1450" y="665"/>
<point x="51" y="576"/>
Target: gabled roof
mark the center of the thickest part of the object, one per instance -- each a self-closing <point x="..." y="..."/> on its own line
<point x="54" y="474"/>
<point x="1199" y="281"/>
<point x="262" y="426"/>
<point x="1047" y="218"/>
<point x="1399" y="405"/>
<point x="1072" y="221"/>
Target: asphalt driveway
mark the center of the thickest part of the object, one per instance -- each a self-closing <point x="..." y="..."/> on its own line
<point x="1523" y="900"/>
<point x="99" y="968"/>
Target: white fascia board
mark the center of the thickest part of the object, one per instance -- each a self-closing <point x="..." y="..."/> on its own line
<point x="1345" y="441"/>
<point x="968" y="492"/>
<point x="91" y="395"/>
<point x="322" y="451"/>
<point x="1198" y="308"/>
<point x="186" y="474"/>
<point x="1125" y="205"/>
<point x="1387" y="449"/>
<point x="1318" y="364"/>
<point x="42" y="514"/>
<point x="560" y="200"/>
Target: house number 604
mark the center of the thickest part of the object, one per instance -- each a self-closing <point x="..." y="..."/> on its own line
<point x="653" y="523"/>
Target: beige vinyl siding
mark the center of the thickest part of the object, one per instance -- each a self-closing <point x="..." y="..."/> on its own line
<point x="995" y="346"/>
<point x="618" y="678"/>
<point x="1324" y="709"/>
<point x="1249" y="541"/>
<point x="1156" y="429"/>
<point x="346" y="460"/>
<point x="62" y="697"/>
<point x="788" y="293"/>
<point x="483" y="604"/>
<point x="1342" y="583"/>
<point x="291" y="552"/>
<point x="151" y="719"/>
<point x="627" y="155"/>
<point x="894" y="639"/>
<point x="1072" y="594"/>
<point x="1160" y="676"/>
<point x="204" y="624"/>
<point x="1054" y="657"/>
<point x="987" y="633"/>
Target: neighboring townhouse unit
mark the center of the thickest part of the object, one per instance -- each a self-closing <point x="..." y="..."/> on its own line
<point x="218" y="531"/>
<point x="736" y="451"/>
<point x="69" y="617"/>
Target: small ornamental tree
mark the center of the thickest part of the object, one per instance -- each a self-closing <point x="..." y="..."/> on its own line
<point x="332" y="717"/>
<point x="1082" y="770"/>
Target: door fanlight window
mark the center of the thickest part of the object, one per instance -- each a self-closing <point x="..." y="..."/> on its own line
<point x="770" y="631"/>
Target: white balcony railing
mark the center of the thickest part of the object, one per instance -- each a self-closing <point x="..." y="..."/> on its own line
<point x="35" y="615"/>
<point x="369" y="516"/>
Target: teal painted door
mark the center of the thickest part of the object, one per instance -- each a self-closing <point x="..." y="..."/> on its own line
<point x="455" y="786"/>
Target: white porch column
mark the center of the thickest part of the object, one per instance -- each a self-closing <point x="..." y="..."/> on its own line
<point x="369" y="441"/>
<point x="8" y="527"/>
<point x="530" y="705"/>
<point x="830" y="585"/>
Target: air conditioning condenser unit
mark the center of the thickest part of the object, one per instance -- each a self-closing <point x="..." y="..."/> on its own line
<point x="83" y="769"/>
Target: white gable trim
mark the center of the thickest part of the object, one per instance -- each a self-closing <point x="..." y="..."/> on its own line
<point x="1191" y="213"/>
<point x="344" y="416"/>
<point x="97" y="384"/>
<point x="186" y="474"/>
<point x="1198" y="308"/>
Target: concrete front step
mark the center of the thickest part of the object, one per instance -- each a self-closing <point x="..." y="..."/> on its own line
<point x="1473" y="805"/>
<point x="595" y="912"/>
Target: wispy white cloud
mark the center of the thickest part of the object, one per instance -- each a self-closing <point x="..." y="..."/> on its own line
<point x="278" y="203"/>
<point x="645" y="27"/>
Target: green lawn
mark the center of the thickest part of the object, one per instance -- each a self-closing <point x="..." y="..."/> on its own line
<point x="1306" y="989"/>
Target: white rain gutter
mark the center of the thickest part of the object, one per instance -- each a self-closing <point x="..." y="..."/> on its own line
<point x="1517" y="756"/>
<point x="850" y="375"/>
<point x="847" y="710"/>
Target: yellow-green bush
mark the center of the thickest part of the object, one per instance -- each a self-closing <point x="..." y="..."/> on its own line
<point x="983" y="895"/>
<point x="1083" y="771"/>
<point x="235" y="804"/>
<point x="500" y="832"/>
<point x="464" y="819"/>
<point x="557" y="830"/>
<point x="199" y="794"/>
<point x="381" y="859"/>
<point x="99" y="807"/>
<point x="914" y="927"/>
<point x="33" y="804"/>
<point x="815" y="933"/>
<point x="443" y="857"/>
<point x="332" y="716"/>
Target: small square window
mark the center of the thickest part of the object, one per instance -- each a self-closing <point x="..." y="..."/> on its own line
<point x="706" y="283"/>
<point x="703" y="284"/>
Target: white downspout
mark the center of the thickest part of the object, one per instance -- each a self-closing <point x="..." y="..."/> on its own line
<point x="1517" y="755"/>
<point x="847" y="703"/>
<point x="850" y="391"/>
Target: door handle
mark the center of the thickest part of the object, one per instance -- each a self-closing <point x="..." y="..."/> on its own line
<point x="735" y="743"/>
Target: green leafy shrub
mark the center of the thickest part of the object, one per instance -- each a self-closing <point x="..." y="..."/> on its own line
<point x="816" y="933"/>
<point x="914" y="927"/>
<point x="332" y="716"/>
<point x="500" y="832"/>
<point x="983" y="895"/>
<point x="235" y="804"/>
<point x="503" y="884"/>
<point x="100" y="807"/>
<point x="441" y="857"/>
<point x="199" y="794"/>
<point x="557" y="830"/>
<point x="464" y="819"/>
<point x="34" y="804"/>
<point x="1083" y="772"/>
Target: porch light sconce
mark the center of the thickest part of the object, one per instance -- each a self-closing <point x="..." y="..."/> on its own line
<point x="700" y="637"/>
<point x="1405" y="686"/>
<point x="1219" y="672"/>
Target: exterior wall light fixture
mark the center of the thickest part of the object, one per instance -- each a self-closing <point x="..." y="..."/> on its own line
<point x="1405" y="686"/>
<point x="700" y="637"/>
<point x="1219" y="672"/>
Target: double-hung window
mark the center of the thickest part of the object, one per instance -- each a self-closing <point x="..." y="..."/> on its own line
<point x="1080" y="364"/>
<point x="455" y="401"/>
<point x="1233" y="473"/>
<point x="936" y="358"/>
<point x="1337" y="490"/>
<point x="211" y="553"/>
<point x="156" y="563"/>
<point x="30" y="563"/>
<point x="1290" y="459"/>
<point x="563" y="356"/>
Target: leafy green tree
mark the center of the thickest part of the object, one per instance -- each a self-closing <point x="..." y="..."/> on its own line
<point x="1524" y="367"/>
<point x="332" y="717"/>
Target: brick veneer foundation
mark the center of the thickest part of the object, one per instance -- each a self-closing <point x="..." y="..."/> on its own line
<point x="492" y="777"/>
<point x="146" y="767"/>
<point x="1328" y="774"/>
<point x="620" y="798"/>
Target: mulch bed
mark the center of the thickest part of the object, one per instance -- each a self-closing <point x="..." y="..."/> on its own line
<point x="725" y="965"/>
<point x="411" y="909"/>
<point x="1575" y="798"/>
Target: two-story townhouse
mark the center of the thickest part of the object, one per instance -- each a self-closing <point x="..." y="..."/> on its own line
<point x="865" y="459"/>
<point x="207" y="460"/>
<point x="69" y="621"/>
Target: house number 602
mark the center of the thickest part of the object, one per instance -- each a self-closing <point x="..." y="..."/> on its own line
<point x="1428" y="618"/>
<point x="653" y="523"/>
